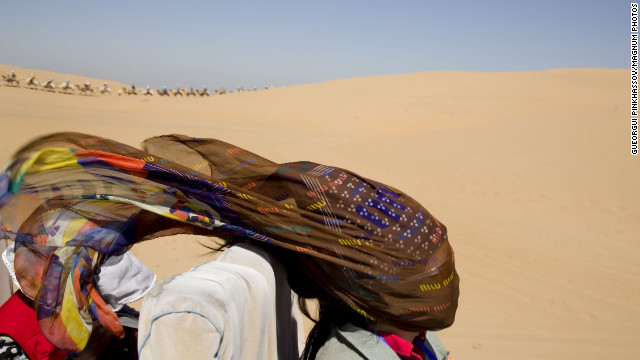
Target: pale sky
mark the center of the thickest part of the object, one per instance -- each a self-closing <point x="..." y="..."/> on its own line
<point x="273" y="43"/>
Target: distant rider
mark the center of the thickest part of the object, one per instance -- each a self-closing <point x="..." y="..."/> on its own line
<point x="32" y="80"/>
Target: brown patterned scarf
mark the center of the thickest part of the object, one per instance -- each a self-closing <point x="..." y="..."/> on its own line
<point x="69" y="200"/>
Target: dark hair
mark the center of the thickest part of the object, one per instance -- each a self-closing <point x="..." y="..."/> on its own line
<point x="332" y="313"/>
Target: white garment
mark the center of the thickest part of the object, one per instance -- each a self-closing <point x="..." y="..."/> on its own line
<point x="286" y="315"/>
<point x="239" y="307"/>
<point x="5" y="278"/>
<point x="123" y="279"/>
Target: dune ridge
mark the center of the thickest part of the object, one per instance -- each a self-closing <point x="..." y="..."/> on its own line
<point x="530" y="171"/>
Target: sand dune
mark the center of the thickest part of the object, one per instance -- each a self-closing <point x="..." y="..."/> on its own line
<point x="530" y="171"/>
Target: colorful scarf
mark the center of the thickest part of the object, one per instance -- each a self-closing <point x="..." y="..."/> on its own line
<point x="71" y="200"/>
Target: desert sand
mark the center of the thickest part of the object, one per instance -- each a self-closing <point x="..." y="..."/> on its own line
<point x="530" y="171"/>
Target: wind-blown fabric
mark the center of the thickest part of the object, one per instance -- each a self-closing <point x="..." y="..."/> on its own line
<point x="71" y="200"/>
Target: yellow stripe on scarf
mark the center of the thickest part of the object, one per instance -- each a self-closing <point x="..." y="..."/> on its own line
<point x="49" y="159"/>
<point x="44" y="160"/>
<point x="72" y="229"/>
<point x="78" y="330"/>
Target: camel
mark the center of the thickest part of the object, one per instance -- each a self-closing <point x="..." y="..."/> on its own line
<point x="222" y="91"/>
<point x="127" y="91"/>
<point x="177" y="92"/>
<point x="66" y="86"/>
<point x="31" y="81"/>
<point x="85" y="90"/>
<point x="105" y="90"/>
<point x="204" y="92"/>
<point x="49" y="85"/>
<point x="192" y="92"/>
<point x="147" y="91"/>
<point x="11" y="79"/>
<point x="163" y="92"/>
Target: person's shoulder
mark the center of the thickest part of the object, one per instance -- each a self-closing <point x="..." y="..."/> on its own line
<point x="351" y="342"/>
<point x="436" y="346"/>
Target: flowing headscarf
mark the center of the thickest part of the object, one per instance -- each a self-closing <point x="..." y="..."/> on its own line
<point x="71" y="200"/>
